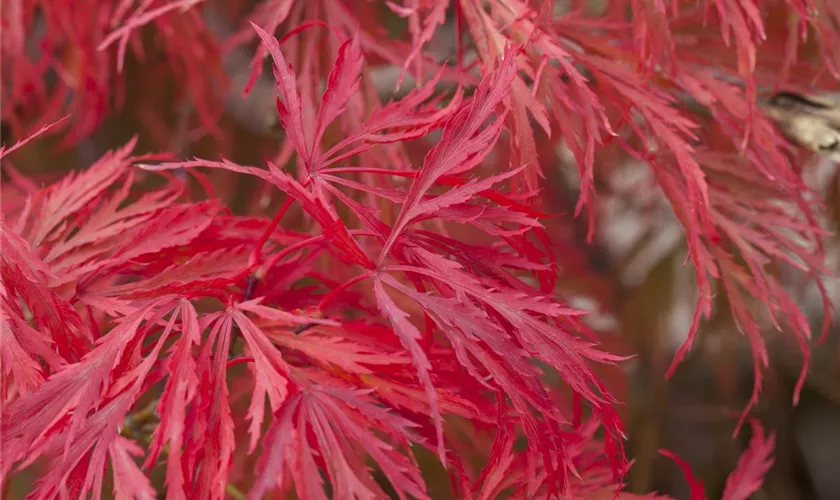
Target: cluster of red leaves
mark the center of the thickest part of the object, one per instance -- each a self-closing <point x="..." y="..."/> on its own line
<point x="413" y="297"/>
<point x="111" y="279"/>
<point x="58" y="58"/>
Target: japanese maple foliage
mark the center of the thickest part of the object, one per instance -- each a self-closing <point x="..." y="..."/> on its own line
<point x="400" y="303"/>
<point x="113" y="285"/>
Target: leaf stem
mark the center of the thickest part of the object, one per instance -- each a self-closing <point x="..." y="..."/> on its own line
<point x="255" y="255"/>
<point x="333" y="294"/>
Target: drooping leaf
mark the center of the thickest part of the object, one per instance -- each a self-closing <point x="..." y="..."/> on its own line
<point x="752" y="467"/>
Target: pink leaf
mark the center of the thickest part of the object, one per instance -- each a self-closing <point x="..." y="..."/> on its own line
<point x="290" y="112"/>
<point x="696" y="486"/>
<point x="342" y="83"/>
<point x="752" y="467"/>
<point x="4" y="151"/>
<point x="409" y="335"/>
<point x="462" y="139"/>
<point x="271" y="374"/>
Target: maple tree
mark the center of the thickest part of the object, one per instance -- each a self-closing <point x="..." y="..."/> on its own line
<point x="397" y="290"/>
